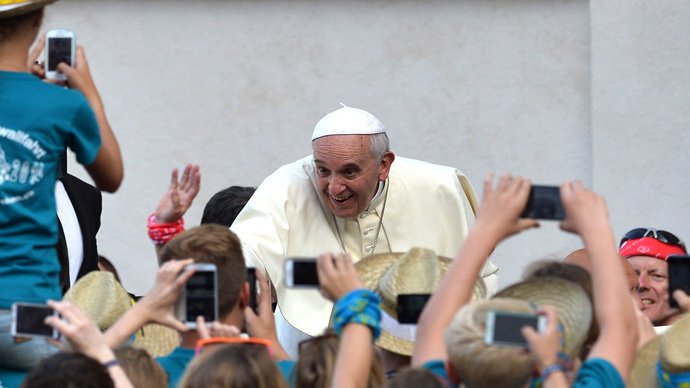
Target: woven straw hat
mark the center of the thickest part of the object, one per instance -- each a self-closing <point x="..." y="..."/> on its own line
<point x="643" y="374"/>
<point x="103" y="300"/>
<point x="100" y="297"/>
<point x="417" y="271"/>
<point x="568" y="299"/>
<point x="675" y="346"/>
<point x="9" y="8"/>
<point x="157" y="339"/>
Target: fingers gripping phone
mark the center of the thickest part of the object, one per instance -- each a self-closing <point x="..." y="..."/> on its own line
<point x="544" y="203"/>
<point x="28" y="320"/>
<point x="301" y="272"/>
<point x="678" y="276"/>
<point x="199" y="295"/>
<point x="60" y="47"/>
<point x="505" y="327"/>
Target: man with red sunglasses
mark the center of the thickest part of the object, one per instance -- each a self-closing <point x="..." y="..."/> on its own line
<point x="647" y="249"/>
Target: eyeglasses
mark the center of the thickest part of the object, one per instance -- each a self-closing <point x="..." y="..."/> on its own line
<point x="661" y="235"/>
<point x="200" y="344"/>
<point x="315" y="340"/>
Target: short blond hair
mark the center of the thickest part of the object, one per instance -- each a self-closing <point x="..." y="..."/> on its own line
<point x="478" y="364"/>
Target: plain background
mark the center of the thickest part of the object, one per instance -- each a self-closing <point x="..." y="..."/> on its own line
<point x="597" y="91"/>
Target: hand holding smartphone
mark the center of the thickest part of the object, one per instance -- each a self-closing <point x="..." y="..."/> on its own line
<point x="505" y="327"/>
<point x="678" y="276"/>
<point x="301" y="273"/>
<point x="199" y="295"/>
<point x="544" y="203"/>
<point x="60" y="47"/>
<point x="28" y="320"/>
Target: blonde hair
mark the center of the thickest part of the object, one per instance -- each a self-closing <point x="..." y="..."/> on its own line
<point x="141" y="368"/>
<point x="233" y="365"/>
<point x="316" y="363"/>
<point x="478" y="364"/>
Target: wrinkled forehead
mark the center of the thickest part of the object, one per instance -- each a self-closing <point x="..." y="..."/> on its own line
<point x="340" y="149"/>
<point x="647" y="264"/>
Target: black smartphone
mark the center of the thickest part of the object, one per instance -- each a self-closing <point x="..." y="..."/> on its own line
<point x="251" y="279"/>
<point x="505" y="327"/>
<point x="28" y="320"/>
<point x="544" y="203"/>
<point x="409" y="307"/>
<point x="199" y="295"/>
<point x="678" y="276"/>
<point x="301" y="272"/>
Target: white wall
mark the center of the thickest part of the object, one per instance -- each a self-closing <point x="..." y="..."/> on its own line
<point x="549" y="89"/>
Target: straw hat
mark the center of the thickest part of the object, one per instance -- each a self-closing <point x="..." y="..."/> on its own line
<point x="103" y="300"/>
<point x="100" y="297"/>
<point x="643" y="374"/>
<point x="417" y="271"/>
<point x="568" y="299"/>
<point x="675" y="346"/>
<point x="157" y="339"/>
<point x="9" y="8"/>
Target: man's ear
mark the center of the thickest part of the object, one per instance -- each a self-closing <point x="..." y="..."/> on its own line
<point x="386" y="162"/>
<point x="243" y="300"/>
<point x="452" y="374"/>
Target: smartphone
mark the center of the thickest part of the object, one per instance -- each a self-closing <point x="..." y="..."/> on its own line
<point x="199" y="295"/>
<point x="409" y="307"/>
<point x="60" y="47"/>
<point x="28" y="320"/>
<point x="544" y="203"/>
<point x="301" y="272"/>
<point x="251" y="279"/>
<point x="678" y="276"/>
<point x="504" y="327"/>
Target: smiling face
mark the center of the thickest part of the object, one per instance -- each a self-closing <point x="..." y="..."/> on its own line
<point x="652" y="293"/>
<point x="347" y="174"/>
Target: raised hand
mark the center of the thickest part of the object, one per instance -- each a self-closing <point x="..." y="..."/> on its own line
<point x="180" y="194"/>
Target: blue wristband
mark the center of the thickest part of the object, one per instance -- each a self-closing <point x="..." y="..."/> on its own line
<point x="553" y="368"/>
<point x="358" y="306"/>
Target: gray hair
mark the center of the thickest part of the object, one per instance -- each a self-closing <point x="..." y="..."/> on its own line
<point x="379" y="145"/>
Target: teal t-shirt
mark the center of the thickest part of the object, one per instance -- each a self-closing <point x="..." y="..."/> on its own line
<point x="175" y="363"/>
<point x="598" y="372"/>
<point x="38" y="122"/>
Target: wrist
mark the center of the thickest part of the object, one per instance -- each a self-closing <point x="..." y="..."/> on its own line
<point x="551" y="370"/>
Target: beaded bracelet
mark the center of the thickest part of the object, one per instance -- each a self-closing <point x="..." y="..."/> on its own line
<point x="161" y="233"/>
<point x="553" y="368"/>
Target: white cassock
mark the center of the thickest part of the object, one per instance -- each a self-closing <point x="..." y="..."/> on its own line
<point x="423" y="205"/>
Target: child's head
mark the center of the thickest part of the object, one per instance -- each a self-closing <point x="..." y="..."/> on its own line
<point x="477" y="364"/>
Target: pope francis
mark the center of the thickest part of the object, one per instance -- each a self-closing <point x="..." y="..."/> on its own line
<point x="352" y="195"/>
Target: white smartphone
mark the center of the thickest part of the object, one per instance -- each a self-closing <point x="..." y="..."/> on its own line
<point x="301" y="272"/>
<point x="505" y="327"/>
<point x="199" y="295"/>
<point x="60" y="47"/>
<point x="28" y="320"/>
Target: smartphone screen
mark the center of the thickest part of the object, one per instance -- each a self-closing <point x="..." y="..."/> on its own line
<point x="59" y="50"/>
<point x="251" y="279"/>
<point x="505" y="328"/>
<point x="301" y="272"/>
<point x="544" y="203"/>
<point x="29" y="320"/>
<point x="409" y="307"/>
<point x="200" y="295"/>
<point x="678" y="276"/>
